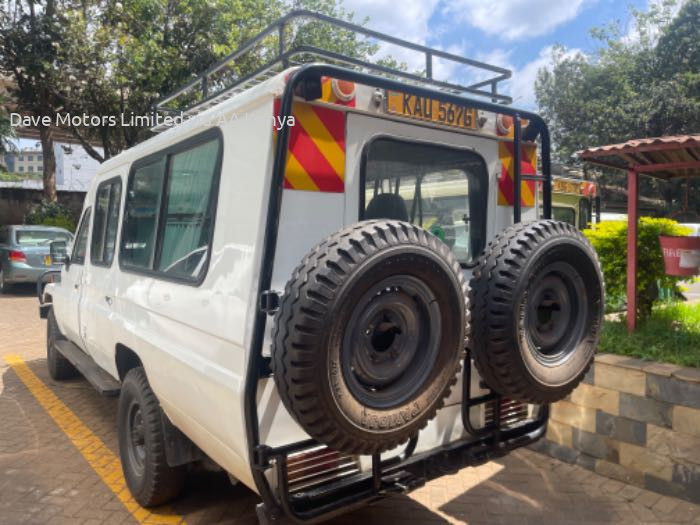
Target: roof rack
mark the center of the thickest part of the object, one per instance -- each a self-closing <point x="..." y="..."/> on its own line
<point x="225" y="79"/>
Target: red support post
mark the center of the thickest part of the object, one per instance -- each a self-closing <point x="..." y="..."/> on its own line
<point x="632" y="200"/>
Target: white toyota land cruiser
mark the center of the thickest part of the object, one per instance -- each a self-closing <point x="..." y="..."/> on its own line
<point x="278" y="284"/>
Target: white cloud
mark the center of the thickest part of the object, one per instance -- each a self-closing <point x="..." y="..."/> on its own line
<point x="632" y="36"/>
<point x="515" y="19"/>
<point x="522" y="85"/>
<point x="407" y="20"/>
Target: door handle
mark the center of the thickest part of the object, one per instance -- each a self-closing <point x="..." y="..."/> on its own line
<point x="108" y="299"/>
<point x="76" y="286"/>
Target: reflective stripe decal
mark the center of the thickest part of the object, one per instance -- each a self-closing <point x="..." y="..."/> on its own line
<point x="316" y="156"/>
<point x="528" y="166"/>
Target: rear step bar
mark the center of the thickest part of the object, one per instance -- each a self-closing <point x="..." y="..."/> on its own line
<point x="104" y="383"/>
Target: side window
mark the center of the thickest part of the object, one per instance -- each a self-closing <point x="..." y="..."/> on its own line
<point x="188" y="211"/>
<point x="104" y="228"/>
<point x="141" y="213"/>
<point x="564" y="214"/>
<point x="438" y="188"/>
<point x="169" y="211"/>
<point x="81" y="240"/>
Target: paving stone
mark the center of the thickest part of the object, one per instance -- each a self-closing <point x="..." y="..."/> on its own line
<point x="574" y="415"/>
<point x="672" y="390"/>
<point x="621" y="428"/>
<point x="691" y="375"/>
<point x="595" y="445"/>
<point x="597" y="398"/>
<point x="643" y="460"/>
<point x="661" y="369"/>
<point x="615" y="377"/>
<point x="646" y="410"/>
<point x="686" y="420"/>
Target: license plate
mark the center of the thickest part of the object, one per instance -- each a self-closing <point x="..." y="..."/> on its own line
<point x="424" y="108"/>
<point x="47" y="260"/>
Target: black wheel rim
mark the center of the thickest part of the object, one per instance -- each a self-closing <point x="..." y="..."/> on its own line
<point x="136" y="439"/>
<point x="391" y="342"/>
<point x="555" y="313"/>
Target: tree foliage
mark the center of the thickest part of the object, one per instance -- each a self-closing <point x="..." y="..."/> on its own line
<point x="108" y="58"/>
<point x="645" y="83"/>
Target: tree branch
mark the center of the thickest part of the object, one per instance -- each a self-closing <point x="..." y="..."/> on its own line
<point x="86" y="145"/>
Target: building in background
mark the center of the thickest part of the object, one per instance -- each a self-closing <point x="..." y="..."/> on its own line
<point x="24" y="161"/>
<point x="74" y="168"/>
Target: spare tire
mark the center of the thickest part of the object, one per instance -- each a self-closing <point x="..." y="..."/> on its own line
<point x="537" y="303"/>
<point x="369" y="335"/>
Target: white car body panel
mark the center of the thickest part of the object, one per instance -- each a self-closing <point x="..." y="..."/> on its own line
<point x="194" y="340"/>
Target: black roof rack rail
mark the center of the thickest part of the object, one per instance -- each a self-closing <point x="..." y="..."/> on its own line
<point x="220" y="81"/>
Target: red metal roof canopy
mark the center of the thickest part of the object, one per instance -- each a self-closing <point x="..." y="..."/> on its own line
<point x="662" y="157"/>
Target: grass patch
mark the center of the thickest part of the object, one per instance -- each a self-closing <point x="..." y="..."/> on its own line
<point x="670" y="335"/>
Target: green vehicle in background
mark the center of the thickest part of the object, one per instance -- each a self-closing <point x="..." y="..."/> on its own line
<point x="575" y="201"/>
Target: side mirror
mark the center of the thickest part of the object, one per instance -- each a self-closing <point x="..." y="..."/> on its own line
<point x="59" y="252"/>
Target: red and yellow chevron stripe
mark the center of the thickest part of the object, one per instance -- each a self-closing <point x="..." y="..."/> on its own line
<point x="316" y="155"/>
<point x="528" y="166"/>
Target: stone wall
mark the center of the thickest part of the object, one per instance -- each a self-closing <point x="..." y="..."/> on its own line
<point x="635" y="421"/>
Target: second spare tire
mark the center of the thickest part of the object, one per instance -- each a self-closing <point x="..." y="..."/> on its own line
<point x="370" y="335"/>
<point x="537" y="306"/>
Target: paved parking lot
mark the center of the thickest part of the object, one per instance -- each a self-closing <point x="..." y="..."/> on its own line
<point x="58" y="448"/>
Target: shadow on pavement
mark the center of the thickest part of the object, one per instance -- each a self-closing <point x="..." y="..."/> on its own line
<point x="46" y="469"/>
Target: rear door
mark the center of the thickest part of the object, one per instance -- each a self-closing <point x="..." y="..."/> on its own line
<point x="434" y="178"/>
<point x="67" y="310"/>
<point x="96" y="306"/>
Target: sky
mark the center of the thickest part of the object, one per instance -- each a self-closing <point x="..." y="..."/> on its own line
<point x="515" y="34"/>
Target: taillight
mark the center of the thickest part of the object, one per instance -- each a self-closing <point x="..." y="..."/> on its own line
<point x="17" y="256"/>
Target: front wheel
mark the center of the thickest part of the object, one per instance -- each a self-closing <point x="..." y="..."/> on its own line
<point x="142" y="445"/>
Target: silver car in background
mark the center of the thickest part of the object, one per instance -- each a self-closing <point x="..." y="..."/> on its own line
<point x="24" y="252"/>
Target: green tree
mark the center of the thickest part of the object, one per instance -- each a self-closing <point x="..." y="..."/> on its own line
<point x="630" y="88"/>
<point x="29" y="35"/>
<point x="6" y="131"/>
<point x="120" y="58"/>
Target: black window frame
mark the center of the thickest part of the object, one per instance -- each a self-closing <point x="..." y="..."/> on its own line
<point x="106" y="182"/>
<point x="168" y="152"/>
<point x="85" y="220"/>
<point x="484" y="176"/>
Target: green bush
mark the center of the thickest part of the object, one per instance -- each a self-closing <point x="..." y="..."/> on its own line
<point x="51" y="214"/>
<point x="609" y="239"/>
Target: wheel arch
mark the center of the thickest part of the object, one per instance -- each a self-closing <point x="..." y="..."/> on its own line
<point x="125" y="359"/>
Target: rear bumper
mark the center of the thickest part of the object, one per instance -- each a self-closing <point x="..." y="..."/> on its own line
<point x="391" y="477"/>
<point x="23" y="273"/>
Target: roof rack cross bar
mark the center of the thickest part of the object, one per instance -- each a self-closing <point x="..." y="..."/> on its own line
<point x="204" y="88"/>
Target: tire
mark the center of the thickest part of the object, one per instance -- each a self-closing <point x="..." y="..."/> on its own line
<point x="537" y="301"/>
<point x="5" y="287"/>
<point x="150" y="479"/>
<point x="369" y="336"/>
<point x="59" y="367"/>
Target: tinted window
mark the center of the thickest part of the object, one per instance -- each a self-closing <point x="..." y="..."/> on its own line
<point x="141" y="215"/>
<point x="188" y="212"/>
<point x="440" y="189"/>
<point x="104" y="228"/>
<point x="169" y="210"/>
<point x="81" y="238"/>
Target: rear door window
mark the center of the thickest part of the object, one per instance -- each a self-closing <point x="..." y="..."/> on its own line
<point x="439" y="188"/>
